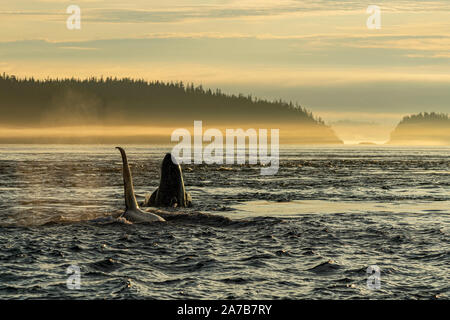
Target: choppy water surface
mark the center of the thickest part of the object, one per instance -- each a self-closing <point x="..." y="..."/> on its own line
<point x="311" y="231"/>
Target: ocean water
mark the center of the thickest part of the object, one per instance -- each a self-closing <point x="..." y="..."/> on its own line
<point x="309" y="232"/>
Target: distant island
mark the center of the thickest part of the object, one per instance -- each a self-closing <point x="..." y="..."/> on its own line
<point x="368" y="143"/>
<point x="110" y="110"/>
<point x="422" y="129"/>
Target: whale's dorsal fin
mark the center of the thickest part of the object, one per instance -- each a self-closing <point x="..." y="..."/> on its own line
<point x="130" y="199"/>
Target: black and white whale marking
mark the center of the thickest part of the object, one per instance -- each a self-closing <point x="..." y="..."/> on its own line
<point x="132" y="212"/>
<point x="171" y="191"/>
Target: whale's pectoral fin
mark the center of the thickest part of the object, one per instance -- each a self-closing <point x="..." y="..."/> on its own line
<point x="188" y="199"/>
<point x="146" y="200"/>
<point x="130" y="199"/>
<point x="174" y="202"/>
<point x="150" y="199"/>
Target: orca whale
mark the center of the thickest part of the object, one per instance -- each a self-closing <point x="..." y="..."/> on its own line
<point x="171" y="191"/>
<point x="132" y="211"/>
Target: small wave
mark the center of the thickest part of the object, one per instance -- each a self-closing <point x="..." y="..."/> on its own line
<point x="261" y="256"/>
<point x="193" y="217"/>
<point x="106" y="265"/>
<point x="326" y="267"/>
<point x="283" y="253"/>
<point x="236" y="280"/>
<point x="436" y="256"/>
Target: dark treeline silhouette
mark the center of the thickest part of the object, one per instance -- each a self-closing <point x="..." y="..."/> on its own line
<point x="423" y="128"/>
<point x="426" y="118"/>
<point x="113" y="101"/>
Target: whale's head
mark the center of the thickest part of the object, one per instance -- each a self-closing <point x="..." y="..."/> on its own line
<point x="171" y="176"/>
<point x="171" y="186"/>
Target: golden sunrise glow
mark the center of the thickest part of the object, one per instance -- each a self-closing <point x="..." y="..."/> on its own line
<point x="317" y="53"/>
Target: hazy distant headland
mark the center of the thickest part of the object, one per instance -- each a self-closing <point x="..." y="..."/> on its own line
<point x="111" y="110"/>
<point x="422" y="129"/>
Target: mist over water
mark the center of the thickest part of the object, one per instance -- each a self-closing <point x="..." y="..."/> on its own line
<point x="310" y="231"/>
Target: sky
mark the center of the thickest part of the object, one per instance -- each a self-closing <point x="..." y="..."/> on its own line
<point x="320" y="54"/>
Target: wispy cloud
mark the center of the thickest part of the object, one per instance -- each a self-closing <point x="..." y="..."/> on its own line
<point x="77" y="48"/>
<point x="176" y="11"/>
